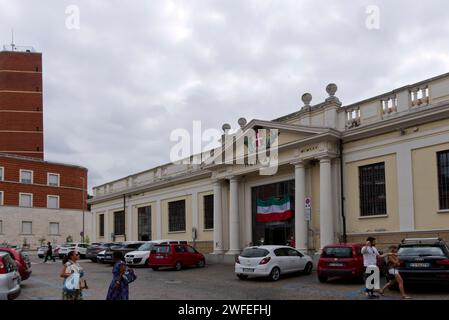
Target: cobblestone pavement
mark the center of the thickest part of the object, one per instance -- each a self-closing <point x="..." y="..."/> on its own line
<point x="213" y="282"/>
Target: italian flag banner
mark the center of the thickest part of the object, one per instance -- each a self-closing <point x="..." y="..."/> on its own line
<point x="274" y="209"/>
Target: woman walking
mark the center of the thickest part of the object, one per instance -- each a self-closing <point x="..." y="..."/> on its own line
<point x="119" y="288"/>
<point x="392" y="264"/>
<point x="72" y="268"/>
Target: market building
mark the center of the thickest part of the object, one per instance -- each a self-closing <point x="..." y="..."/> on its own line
<point x="375" y="167"/>
<point x="40" y="200"/>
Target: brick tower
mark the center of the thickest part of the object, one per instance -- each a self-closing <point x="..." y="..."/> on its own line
<point x="21" y="115"/>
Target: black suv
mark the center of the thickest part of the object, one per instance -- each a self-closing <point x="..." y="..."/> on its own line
<point x="424" y="260"/>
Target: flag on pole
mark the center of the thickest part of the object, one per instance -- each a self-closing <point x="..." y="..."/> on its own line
<point x="274" y="209"/>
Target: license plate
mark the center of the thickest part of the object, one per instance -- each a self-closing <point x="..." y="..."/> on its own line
<point x="419" y="265"/>
<point x="248" y="270"/>
<point x="159" y="257"/>
<point x="335" y="264"/>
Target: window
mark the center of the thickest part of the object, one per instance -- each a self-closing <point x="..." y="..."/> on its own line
<point x="26" y="200"/>
<point x="53" y="202"/>
<point x="372" y="190"/>
<point x="26" y="176"/>
<point x="144" y="223"/>
<point x="1" y="227"/>
<point x="209" y="211"/>
<point x="101" y="225"/>
<point x="2" y="173"/>
<point x="54" y="228"/>
<point x="443" y="179"/>
<point x="27" y="227"/>
<point x="53" y="179"/>
<point x="177" y="216"/>
<point x="1" y="198"/>
<point x="119" y="223"/>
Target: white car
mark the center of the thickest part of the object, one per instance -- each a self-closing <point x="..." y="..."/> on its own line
<point x="271" y="261"/>
<point x="42" y="251"/>
<point x="81" y="248"/>
<point x="142" y="254"/>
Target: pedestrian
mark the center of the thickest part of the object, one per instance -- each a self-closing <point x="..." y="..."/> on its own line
<point x="119" y="287"/>
<point x="72" y="270"/>
<point x="370" y="255"/>
<point x="49" y="254"/>
<point x="393" y="263"/>
<point x="291" y="242"/>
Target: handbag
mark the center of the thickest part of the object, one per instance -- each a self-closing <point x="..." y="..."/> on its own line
<point x="72" y="283"/>
<point x="83" y="284"/>
<point x="129" y="276"/>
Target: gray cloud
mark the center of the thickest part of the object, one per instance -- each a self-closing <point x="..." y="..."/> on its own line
<point x="116" y="88"/>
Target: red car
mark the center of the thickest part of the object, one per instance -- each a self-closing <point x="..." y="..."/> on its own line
<point x="175" y="256"/>
<point x="343" y="260"/>
<point x="22" y="265"/>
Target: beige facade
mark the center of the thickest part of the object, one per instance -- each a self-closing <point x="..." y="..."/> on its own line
<point x="322" y="150"/>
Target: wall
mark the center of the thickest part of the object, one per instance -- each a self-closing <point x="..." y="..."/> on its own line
<point x="356" y="223"/>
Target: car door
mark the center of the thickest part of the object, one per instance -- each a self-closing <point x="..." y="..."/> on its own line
<point x="296" y="260"/>
<point x="281" y="259"/>
<point x="180" y="254"/>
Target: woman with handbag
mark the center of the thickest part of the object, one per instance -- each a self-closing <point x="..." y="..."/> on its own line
<point x="119" y="287"/>
<point x="73" y="275"/>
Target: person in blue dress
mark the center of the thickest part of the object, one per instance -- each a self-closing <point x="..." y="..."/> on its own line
<point x="118" y="289"/>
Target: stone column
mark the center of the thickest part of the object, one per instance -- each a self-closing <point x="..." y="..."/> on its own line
<point x="218" y="217"/>
<point x="94" y="231"/>
<point x="130" y="223"/>
<point x="326" y="212"/>
<point x="300" y="195"/>
<point x="234" y="221"/>
<point x="158" y="219"/>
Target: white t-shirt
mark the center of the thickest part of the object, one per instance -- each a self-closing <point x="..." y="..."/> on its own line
<point x="369" y="256"/>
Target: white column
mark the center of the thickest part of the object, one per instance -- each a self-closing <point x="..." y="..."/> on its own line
<point x="300" y="219"/>
<point x="130" y="223"/>
<point x="326" y="213"/>
<point x="234" y="221"/>
<point x="158" y="219"/>
<point x="405" y="189"/>
<point x="218" y="218"/>
<point x="94" y="226"/>
<point x="107" y="232"/>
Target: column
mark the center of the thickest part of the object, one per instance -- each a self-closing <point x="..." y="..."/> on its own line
<point x="234" y="221"/>
<point x="94" y="232"/>
<point x="218" y="217"/>
<point x="107" y="232"/>
<point x="158" y="219"/>
<point x="301" y="231"/>
<point x="326" y="213"/>
<point x="130" y="223"/>
<point x="195" y="218"/>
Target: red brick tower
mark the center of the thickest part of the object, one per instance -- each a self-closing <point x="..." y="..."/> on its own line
<point x="21" y="116"/>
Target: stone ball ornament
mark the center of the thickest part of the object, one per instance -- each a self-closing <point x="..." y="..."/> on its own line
<point x="226" y="127"/>
<point x="331" y="89"/>
<point x="242" y="122"/>
<point x="306" y="98"/>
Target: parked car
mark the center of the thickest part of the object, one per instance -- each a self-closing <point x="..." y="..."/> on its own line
<point x="9" y="277"/>
<point x="94" y="249"/>
<point x="343" y="260"/>
<point x="81" y="248"/>
<point x="42" y="251"/>
<point x="175" y="256"/>
<point x="100" y="256"/>
<point x="424" y="260"/>
<point x="141" y="256"/>
<point x="124" y="248"/>
<point x="23" y="266"/>
<point x="271" y="261"/>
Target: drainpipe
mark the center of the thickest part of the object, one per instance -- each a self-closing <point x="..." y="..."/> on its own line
<point x="343" y="216"/>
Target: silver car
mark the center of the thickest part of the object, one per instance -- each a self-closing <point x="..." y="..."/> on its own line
<point x="9" y="277"/>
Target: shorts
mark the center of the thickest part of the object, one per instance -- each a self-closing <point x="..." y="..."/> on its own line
<point x="393" y="271"/>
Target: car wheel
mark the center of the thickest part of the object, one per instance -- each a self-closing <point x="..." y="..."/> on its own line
<point x="322" y="279"/>
<point x="201" y="264"/>
<point x="308" y="268"/>
<point x="275" y="274"/>
<point x="178" y="265"/>
<point x="242" y="276"/>
<point x="155" y="268"/>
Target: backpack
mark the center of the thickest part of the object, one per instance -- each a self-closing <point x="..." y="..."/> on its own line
<point x="129" y="276"/>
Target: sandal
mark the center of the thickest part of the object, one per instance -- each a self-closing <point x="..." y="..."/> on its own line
<point x="406" y="297"/>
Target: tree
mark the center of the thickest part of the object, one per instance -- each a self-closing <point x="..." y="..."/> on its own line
<point x="87" y="240"/>
<point x="42" y="241"/>
<point x="69" y="239"/>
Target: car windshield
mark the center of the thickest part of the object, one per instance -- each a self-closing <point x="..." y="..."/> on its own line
<point x="254" y="253"/>
<point x="337" y="252"/>
<point x="421" y="251"/>
<point x="146" y="247"/>
<point x="162" y="249"/>
<point x="66" y="245"/>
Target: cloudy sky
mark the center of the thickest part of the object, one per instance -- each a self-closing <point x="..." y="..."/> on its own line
<point x="116" y="87"/>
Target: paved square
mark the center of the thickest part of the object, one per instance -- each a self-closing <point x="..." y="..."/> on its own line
<point x="213" y="282"/>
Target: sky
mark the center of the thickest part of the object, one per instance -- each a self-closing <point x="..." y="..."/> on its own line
<point x="117" y="83"/>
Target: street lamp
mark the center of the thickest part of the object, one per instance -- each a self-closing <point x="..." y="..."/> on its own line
<point x="84" y="181"/>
